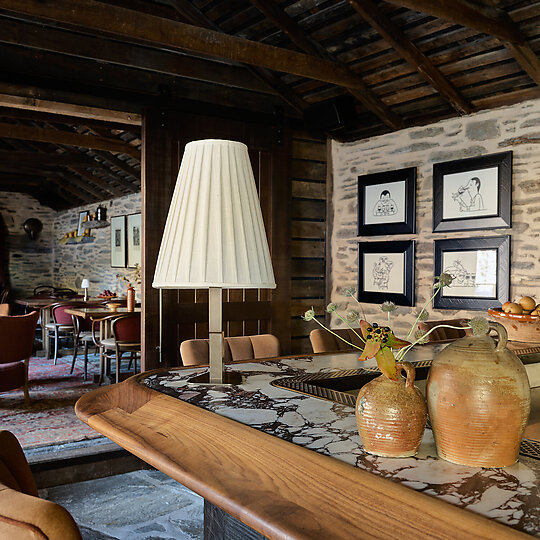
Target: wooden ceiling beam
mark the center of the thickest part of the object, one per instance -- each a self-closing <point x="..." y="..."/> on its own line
<point x="44" y="159"/>
<point x="484" y="19"/>
<point x="488" y="19"/>
<point x="36" y="134"/>
<point x="411" y="53"/>
<point x="96" y="180"/>
<point x="155" y="31"/>
<point x="297" y="35"/>
<point x="193" y="15"/>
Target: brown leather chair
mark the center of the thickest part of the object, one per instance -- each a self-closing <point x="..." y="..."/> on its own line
<point x="17" y="338"/>
<point x="23" y="515"/>
<point x="196" y="351"/>
<point x="5" y="309"/>
<point x="323" y="341"/>
<point x="443" y="335"/>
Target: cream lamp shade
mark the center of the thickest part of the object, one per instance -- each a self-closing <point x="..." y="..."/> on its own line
<point x="214" y="234"/>
<point x="85" y="284"/>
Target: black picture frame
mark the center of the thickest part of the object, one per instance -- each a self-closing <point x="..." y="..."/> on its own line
<point x="456" y="250"/>
<point x="370" y="210"/>
<point x="371" y="255"/>
<point x="483" y="196"/>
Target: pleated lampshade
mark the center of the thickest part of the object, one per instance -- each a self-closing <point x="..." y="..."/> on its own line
<point x="214" y="235"/>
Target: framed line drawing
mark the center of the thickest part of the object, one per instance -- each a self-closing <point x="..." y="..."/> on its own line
<point x="481" y="271"/>
<point x="474" y="193"/>
<point x="386" y="272"/>
<point x="133" y="240"/>
<point x="386" y="202"/>
<point x="118" y="242"/>
<point x="80" y="225"/>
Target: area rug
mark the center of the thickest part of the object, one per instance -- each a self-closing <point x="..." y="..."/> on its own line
<point x="50" y="418"/>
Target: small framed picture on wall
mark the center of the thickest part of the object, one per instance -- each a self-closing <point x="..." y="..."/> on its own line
<point x="473" y="193"/>
<point x="83" y="218"/>
<point x="118" y="242"/>
<point x="386" y="272"/>
<point x="133" y="240"/>
<point x="386" y="202"/>
<point x="480" y="268"/>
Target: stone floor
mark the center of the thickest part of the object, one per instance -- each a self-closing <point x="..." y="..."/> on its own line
<point x="141" y="505"/>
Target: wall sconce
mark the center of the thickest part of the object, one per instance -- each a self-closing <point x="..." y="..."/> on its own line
<point x="33" y="227"/>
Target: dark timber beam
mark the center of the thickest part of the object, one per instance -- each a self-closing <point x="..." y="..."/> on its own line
<point x="11" y="131"/>
<point x="487" y="19"/>
<point x="297" y="35"/>
<point x="410" y="52"/>
<point x="142" y="28"/>
<point x="42" y="159"/>
<point x="484" y="19"/>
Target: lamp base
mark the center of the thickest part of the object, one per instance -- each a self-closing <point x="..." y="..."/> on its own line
<point x="228" y="378"/>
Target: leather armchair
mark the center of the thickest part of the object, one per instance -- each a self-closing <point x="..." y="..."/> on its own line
<point x="323" y="341"/>
<point x="23" y="515"/>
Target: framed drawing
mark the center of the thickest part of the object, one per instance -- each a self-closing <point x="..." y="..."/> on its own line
<point x="386" y="272"/>
<point x="386" y="202"/>
<point x="118" y="242"/>
<point x="473" y="193"/>
<point x="133" y="240"/>
<point x="481" y="271"/>
<point x="80" y="226"/>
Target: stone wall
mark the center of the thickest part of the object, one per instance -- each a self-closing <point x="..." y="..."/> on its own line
<point x="515" y="128"/>
<point x="30" y="261"/>
<point x="73" y="262"/>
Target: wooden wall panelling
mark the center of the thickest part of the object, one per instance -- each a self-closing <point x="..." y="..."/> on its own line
<point x="308" y="233"/>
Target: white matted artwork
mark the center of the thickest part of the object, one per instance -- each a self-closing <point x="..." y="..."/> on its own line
<point x="385" y="203"/>
<point x="471" y="193"/>
<point x="474" y="273"/>
<point x="133" y="240"/>
<point x="384" y="272"/>
<point x="118" y="242"/>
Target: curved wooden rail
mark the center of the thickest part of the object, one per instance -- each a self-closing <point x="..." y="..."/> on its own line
<point x="279" y="489"/>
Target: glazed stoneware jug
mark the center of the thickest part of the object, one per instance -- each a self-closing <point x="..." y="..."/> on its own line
<point x="391" y="415"/>
<point x="479" y="400"/>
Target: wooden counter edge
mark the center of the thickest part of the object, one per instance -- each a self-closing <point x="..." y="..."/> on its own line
<point x="279" y="489"/>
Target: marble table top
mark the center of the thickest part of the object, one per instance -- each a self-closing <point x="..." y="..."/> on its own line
<point x="510" y="495"/>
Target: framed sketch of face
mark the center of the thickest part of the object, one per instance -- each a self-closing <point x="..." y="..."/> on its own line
<point x="473" y="193"/>
<point x="386" y="202"/>
<point x="480" y="268"/>
<point x="386" y="272"/>
<point x="118" y="242"/>
<point x="133" y="240"/>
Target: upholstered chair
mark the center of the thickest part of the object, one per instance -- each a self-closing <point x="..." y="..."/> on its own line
<point x="61" y="325"/>
<point x="23" y="515"/>
<point x="196" y="351"/>
<point x="323" y="341"/>
<point x="443" y="335"/>
<point x="17" y="338"/>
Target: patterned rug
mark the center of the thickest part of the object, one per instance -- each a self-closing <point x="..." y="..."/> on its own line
<point x="50" y="418"/>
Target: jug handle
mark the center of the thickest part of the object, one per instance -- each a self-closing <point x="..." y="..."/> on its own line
<point x="409" y="371"/>
<point x="501" y="333"/>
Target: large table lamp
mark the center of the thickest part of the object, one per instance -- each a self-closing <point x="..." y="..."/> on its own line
<point x="214" y="236"/>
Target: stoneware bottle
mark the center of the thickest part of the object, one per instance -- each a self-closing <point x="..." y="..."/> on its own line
<point x="391" y="415"/>
<point x="479" y="400"/>
<point x="130" y="298"/>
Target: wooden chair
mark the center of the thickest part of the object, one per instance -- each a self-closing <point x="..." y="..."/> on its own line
<point x="126" y="337"/>
<point x="23" y="515"/>
<point x="197" y="351"/>
<point x="323" y="341"/>
<point x="17" y="338"/>
<point x="443" y="335"/>
<point x="5" y="309"/>
<point x="61" y="325"/>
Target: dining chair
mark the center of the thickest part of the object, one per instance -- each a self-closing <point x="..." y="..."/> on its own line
<point x="23" y="515"/>
<point x="196" y="351"/>
<point x="126" y="337"/>
<point x="443" y="335"/>
<point x="17" y="338"/>
<point x="61" y="325"/>
<point x="5" y="309"/>
<point x="322" y="341"/>
<point x="43" y="290"/>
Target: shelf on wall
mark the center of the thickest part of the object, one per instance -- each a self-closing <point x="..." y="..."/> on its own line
<point x="77" y="240"/>
<point x="95" y="224"/>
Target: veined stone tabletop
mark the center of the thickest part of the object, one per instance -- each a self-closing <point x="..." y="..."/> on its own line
<point x="509" y="495"/>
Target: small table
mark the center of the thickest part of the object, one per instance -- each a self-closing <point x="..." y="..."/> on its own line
<point x="105" y="316"/>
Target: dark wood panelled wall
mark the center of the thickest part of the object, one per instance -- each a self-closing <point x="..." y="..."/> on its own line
<point x="185" y="313"/>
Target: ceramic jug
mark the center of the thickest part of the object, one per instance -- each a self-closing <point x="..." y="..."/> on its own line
<point x="391" y="415"/>
<point x="479" y="400"/>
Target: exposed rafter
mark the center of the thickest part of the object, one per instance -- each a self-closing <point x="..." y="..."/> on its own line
<point x="411" y="53"/>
